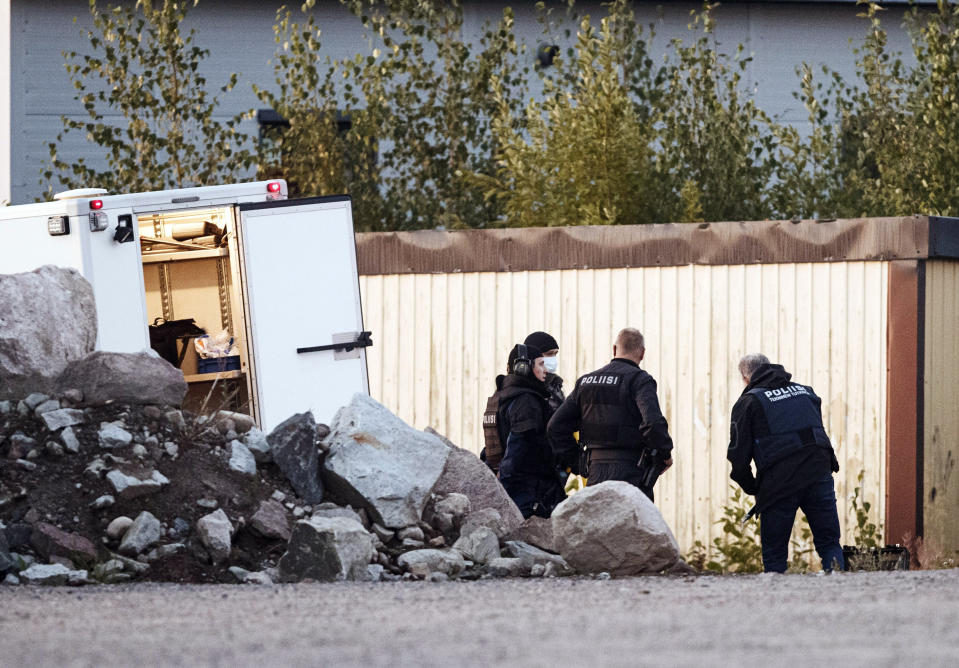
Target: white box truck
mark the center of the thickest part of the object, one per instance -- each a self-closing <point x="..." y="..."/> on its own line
<point x="277" y="275"/>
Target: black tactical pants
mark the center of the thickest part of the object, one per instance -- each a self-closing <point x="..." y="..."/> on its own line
<point x="619" y="469"/>
<point x="534" y="496"/>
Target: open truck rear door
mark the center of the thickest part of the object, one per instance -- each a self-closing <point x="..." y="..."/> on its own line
<point x="302" y="303"/>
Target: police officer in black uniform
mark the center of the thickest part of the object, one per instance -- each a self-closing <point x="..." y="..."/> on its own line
<point x="554" y="383"/>
<point x="527" y="470"/>
<point x="778" y="425"/>
<point x="617" y="414"/>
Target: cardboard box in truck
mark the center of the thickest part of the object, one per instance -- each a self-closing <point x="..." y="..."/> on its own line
<point x="275" y="275"/>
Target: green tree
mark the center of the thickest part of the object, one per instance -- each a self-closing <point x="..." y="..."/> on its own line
<point x="147" y="106"/>
<point x="933" y="110"/>
<point x="618" y="139"/>
<point x="310" y="150"/>
<point x="716" y="146"/>
<point x="419" y="104"/>
<point x="886" y="143"/>
<point x="583" y="155"/>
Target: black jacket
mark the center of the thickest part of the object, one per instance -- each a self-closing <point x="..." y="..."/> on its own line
<point x="521" y="421"/>
<point x="653" y="430"/>
<point x="749" y="424"/>
<point x="556" y="396"/>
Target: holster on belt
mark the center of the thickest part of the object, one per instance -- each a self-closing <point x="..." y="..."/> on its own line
<point x="647" y="460"/>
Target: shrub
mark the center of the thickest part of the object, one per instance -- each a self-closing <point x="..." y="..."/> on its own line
<point x="419" y="107"/>
<point x="739" y="549"/>
<point x="865" y="155"/>
<point x="619" y="140"/>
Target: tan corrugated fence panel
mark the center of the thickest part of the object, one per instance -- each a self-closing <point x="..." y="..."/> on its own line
<point x="440" y="339"/>
<point x="941" y="414"/>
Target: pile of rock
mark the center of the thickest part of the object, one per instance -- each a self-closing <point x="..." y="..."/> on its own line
<point x="103" y="479"/>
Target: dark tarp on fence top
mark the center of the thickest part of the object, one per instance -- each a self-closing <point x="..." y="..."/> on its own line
<point x="673" y="244"/>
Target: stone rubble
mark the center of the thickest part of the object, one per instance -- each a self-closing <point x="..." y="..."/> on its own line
<point x="52" y="575"/>
<point x="215" y="532"/>
<point x="293" y="446"/>
<point x="241" y="459"/>
<point x="479" y="545"/>
<point x="465" y="474"/>
<point x="532" y="557"/>
<point x="271" y="521"/>
<point x="62" y="417"/>
<point x="143" y="533"/>
<point x="327" y="549"/>
<point x="129" y="487"/>
<point x="118" y="527"/>
<point x="108" y="480"/>
<point x="426" y="561"/>
<point x="113" y="435"/>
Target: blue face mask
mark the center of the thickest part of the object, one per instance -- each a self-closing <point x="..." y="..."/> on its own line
<point x="551" y="363"/>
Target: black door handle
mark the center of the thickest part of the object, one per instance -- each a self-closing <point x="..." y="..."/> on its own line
<point x="364" y="340"/>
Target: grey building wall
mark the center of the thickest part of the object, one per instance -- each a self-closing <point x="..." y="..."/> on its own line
<point x="239" y="34"/>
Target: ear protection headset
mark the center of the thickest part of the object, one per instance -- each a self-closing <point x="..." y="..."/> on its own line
<point x="522" y="365"/>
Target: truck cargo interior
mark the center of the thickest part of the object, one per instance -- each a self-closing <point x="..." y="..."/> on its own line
<point x="190" y="273"/>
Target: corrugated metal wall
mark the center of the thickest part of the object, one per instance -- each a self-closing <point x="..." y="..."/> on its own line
<point x="440" y="339"/>
<point x="941" y="405"/>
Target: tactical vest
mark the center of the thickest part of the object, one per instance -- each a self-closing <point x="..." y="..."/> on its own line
<point x="794" y="423"/>
<point x="610" y="417"/>
<point x="494" y="444"/>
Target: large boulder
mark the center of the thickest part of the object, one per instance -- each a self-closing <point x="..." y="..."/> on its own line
<point x="129" y="378"/>
<point x="327" y="549"/>
<point x="48" y="319"/>
<point x="293" y="445"/>
<point x="378" y="462"/>
<point x="466" y="474"/>
<point x="613" y="527"/>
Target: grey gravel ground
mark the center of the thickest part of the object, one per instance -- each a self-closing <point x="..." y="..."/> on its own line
<point x="852" y="619"/>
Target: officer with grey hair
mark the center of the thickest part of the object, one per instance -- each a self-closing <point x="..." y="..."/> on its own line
<point x="616" y="411"/>
<point x="777" y="425"/>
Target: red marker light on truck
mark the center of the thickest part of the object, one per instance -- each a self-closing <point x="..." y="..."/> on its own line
<point x="96" y="204"/>
<point x="273" y="187"/>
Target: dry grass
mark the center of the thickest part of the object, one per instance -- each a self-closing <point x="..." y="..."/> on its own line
<point x="211" y="412"/>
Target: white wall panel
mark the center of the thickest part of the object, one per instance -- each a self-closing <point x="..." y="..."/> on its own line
<point x="440" y="339"/>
